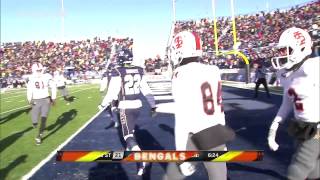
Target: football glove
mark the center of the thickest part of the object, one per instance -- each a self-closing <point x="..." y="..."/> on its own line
<point x="187" y="169"/>
<point x="100" y="107"/>
<point x="272" y="136"/>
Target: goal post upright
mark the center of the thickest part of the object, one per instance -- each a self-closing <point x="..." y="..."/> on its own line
<point x="215" y="27"/>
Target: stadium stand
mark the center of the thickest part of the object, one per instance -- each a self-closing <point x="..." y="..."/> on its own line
<point x="257" y="33"/>
<point x="85" y="57"/>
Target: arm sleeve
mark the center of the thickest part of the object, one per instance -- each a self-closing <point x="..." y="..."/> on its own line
<point x="53" y="87"/>
<point x="113" y="90"/>
<point x="29" y="91"/>
<point x="103" y="84"/>
<point x="285" y="108"/>
<point x="146" y="91"/>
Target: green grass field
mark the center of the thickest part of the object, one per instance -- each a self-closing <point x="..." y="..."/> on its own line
<point x="18" y="152"/>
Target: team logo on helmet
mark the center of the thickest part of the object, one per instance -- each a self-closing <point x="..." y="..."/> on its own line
<point x="124" y="57"/>
<point x="184" y="45"/>
<point x="294" y="46"/>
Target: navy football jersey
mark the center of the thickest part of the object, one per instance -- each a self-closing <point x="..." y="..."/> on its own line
<point x="130" y="82"/>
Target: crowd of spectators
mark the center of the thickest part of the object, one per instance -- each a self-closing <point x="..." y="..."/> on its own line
<point x="257" y="33"/>
<point x="156" y="65"/>
<point x="80" y="57"/>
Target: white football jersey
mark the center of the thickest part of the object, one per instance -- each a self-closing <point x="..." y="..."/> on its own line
<point x="301" y="92"/>
<point x="196" y="89"/>
<point x="38" y="87"/>
<point x="59" y="79"/>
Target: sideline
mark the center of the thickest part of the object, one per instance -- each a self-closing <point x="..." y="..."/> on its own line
<point x="54" y="152"/>
<point x="248" y="86"/>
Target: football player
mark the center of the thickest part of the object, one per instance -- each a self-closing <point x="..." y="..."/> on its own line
<point x="39" y="98"/>
<point x="127" y="84"/>
<point x="60" y="81"/>
<point x="199" y="115"/>
<point x="299" y="76"/>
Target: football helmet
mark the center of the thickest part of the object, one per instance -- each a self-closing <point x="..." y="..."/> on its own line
<point x="184" y="45"/>
<point x="124" y="57"/>
<point x="37" y="69"/>
<point x="294" y="45"/>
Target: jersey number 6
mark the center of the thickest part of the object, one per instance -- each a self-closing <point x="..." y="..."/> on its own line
<point x="207" y="98"/>
<point x="132" y="83"/>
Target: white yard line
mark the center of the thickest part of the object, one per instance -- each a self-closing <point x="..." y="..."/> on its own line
<point x="24" y="90"/>
<point x="12" y="97"/>
<point x="54" y="152"/>
<point x="15" y="92"/>
<point x="23" y="93"/>
<point x="29" y="106"/>
<point x="9" y="91"/>
<point x="14" y="109"/>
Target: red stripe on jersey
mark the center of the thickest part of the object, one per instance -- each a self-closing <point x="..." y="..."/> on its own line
<point x="197" y="38"/>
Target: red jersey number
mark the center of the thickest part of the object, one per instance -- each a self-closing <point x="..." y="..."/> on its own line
<point x="296" y="99"/>
<point x="178" y="42"/>
<point x="39" y="85"/>
<point x="207" y="98"/>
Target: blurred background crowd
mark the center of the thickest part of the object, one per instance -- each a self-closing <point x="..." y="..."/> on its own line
<point x="257" y="33"/>
<point x="79" y="59"/>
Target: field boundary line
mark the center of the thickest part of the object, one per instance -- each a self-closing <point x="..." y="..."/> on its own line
<point x="57" y="97"/>
<point x="245" y="86"/>
<point x="21" y="93"/>
<point x="54" y="152"/>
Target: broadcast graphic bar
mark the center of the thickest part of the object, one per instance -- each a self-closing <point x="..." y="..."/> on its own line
<point x="159" y="156"/>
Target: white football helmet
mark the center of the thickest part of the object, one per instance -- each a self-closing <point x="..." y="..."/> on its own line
<point x="184" y="45"/>
<point x="294" y="45"/>
<point x="37" y="69"/>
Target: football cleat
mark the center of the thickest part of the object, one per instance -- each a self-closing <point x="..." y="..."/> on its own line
<point x="38" y="140"/>
<point x="34" y="125"/>
<point x="142" y="168"/>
